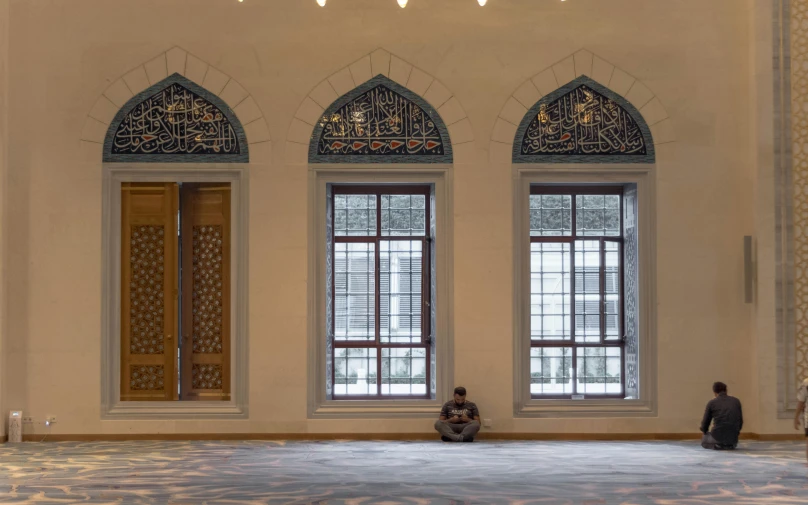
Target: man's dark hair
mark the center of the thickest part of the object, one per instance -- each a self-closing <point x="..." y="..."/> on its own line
<point x="460" y="391"/>
<point x="719" y="387"/>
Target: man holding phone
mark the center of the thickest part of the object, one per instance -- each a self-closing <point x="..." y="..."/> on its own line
<point x="459" y="419"/>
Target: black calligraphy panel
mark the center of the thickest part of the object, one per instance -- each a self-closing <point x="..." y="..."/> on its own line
<point x="172" y="121"/>
<point x="378" y="123"/>
<point x="583" y="123"/>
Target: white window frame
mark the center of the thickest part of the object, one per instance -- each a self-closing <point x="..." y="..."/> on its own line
<point x="644" y="177"/>
<point x="112" y="408"/>
<point x="320" y="176"/>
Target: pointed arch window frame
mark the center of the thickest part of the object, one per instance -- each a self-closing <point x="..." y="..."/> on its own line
<point x="648" y="158"/>
<point x="243" y="155"/>
<point x="446" y="158"/>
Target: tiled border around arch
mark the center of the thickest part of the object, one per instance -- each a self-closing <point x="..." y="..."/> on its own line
<point x="180" y="61"/>
<point x="554" y="77"/>
<point x="357" y="73"/>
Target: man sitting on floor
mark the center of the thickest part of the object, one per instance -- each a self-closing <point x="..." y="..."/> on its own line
<point x="727" y="417"/>
<point x="459" y="419"/>
<point x="802" y="411"/>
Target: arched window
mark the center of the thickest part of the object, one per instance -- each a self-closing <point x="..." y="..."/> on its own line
<point x="583" y="122"/>
<point x="381" y="261"/>
<point x="380" y="122"/>
<point x="176" y="235"/>
<point x="581" y="321"/>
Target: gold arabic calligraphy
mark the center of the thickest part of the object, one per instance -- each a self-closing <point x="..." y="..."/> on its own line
<point x="175" y="121"/>
<point x="379" y="122"/>
<point x="583" y="122"/>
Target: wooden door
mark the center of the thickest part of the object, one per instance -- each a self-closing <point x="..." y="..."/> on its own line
<point x="149" y="268"/>
<point x="205" y="350"/>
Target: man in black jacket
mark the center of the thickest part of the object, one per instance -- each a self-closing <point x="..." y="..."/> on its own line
<point x="725" y="413"/>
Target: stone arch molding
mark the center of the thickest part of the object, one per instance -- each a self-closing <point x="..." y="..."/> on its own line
<point x="546" y="82"/>
<point x="176" y="61"/>
<point x="380" y="62"/>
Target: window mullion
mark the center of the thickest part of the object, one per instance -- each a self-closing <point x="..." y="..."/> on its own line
<point x="379" y="238"/>
<point x="572" y="271"/>
<point x="608" y="286"/>
<point x="333" y="287"/>
<point x="426" y="296"/>
<point x="426" y="287"/>
<point x="621" y="284"/>
<point x="573" y="277"/>
<point x="602" y="290"/>
<point x="377" y="291"/>
<point x="622" y="298"/>
<point x="377" y="287"/>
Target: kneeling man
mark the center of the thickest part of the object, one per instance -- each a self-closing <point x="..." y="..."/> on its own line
<point x="459" y="419"/>
<point x="727" y="417"/>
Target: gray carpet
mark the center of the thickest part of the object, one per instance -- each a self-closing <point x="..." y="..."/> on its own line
<point x="422" y="473"/>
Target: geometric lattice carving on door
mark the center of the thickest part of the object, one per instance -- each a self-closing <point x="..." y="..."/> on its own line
<point x="146" y="378"/>
<point x="207" y="376"/>
<point x="207" y="290"/>
<point x="205" y="232"/>
<point x="146" y="289"/>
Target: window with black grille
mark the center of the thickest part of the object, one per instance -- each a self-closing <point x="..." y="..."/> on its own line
<point x="379" y="278"/>
<point x="576" y="292"/>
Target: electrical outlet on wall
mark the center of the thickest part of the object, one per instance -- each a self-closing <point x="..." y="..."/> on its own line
<point x="487" y="423"/>
<point x="50" y="420"/>
<point x="28" y="420"/>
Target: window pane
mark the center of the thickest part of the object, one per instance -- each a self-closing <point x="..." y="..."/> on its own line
<point x="354" y="215"/>
<point x="550" y="291"/>
<point x="587" y="291"/>
<point x="404" y="215"/>
<point x="599" y="371"/>
<point x="355" y="372"/>
<point x="354" y="292"/>
<point x="612" y="308"/>
<point x="404" y="372"/>
<point x="550" y="371"/>
<point x="400" y="286"/>
<point x="597" y="215"/>
<point x="550" y="215"/>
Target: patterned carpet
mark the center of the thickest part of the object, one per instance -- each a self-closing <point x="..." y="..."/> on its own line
<point x="405" y="473"/>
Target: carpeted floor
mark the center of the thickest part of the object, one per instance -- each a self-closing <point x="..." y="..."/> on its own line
<point x="423" y="473"/>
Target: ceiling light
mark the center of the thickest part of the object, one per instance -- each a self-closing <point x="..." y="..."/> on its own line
<point x="402" y="3"/>
<point x="321" y="3"/>
<point x="482" y="2"/>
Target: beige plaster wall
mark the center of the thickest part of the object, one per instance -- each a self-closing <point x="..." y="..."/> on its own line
<point x="3" y="170"/>
<point x="693" y="55"/>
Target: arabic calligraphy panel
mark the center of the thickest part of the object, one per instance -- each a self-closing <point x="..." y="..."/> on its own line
<point x="175" y="120"/>
<point x="380" y="122"/>
<point x="583" y="122"/>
